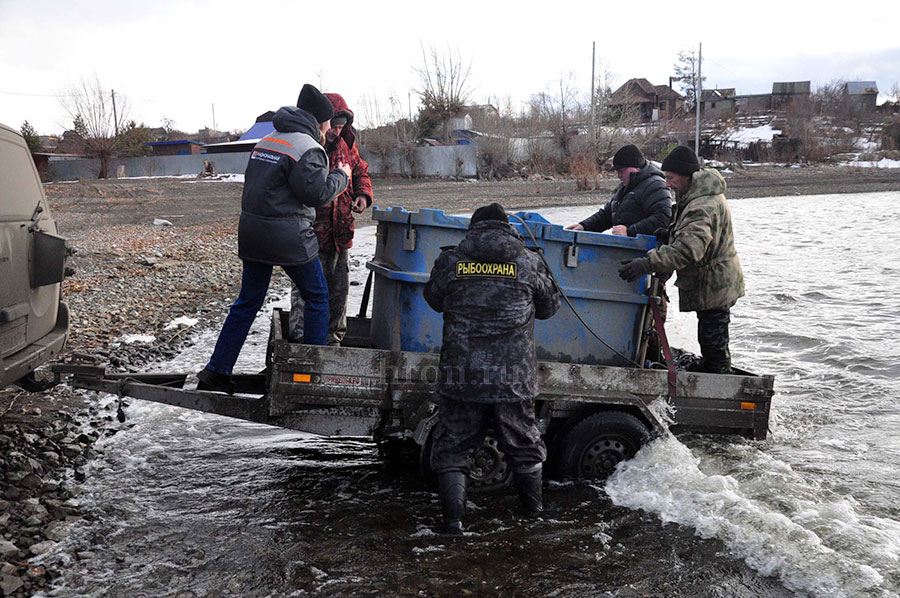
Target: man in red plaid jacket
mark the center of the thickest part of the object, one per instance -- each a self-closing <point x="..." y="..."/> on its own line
<point x="334" y="224"/>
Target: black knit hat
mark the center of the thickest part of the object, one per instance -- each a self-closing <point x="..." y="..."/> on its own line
<point x="493" y="211"/>
<point x="681" y="160"/>
<point x="628" y="156"/>
<point x="313" y="101"/>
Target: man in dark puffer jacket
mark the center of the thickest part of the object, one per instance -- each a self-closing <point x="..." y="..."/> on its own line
<point x="640" y="205"/>
<point x="287" y="178"/>
<point x="490" y="290"/>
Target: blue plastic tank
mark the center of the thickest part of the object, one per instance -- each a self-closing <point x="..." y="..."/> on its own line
<point x="585" y="265"/>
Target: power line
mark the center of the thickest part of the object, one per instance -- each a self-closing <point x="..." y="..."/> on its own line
<point x="35" y="95"/>
<point x="71" y="95"/>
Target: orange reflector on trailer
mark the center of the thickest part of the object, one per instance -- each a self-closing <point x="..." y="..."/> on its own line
<point x="306" y="378"/>
<point x="744" y="406"/>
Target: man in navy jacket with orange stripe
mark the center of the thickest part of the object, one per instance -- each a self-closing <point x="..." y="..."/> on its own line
<point x="287" y="178"/>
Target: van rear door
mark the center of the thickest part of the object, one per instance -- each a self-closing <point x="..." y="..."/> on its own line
<point x="27" y="312"/>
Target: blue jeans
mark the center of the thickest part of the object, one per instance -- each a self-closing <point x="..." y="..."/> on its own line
<point x="309" y="278"/>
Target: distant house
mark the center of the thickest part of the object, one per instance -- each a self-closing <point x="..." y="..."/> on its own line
<point x="783" y="95"/>
<point x="861" y="95"/>
<point x="651" y="102"/>
<point x="181" y="147"/>
<point x="482" y="116"/>
<point x="70" y="143"/>
<point x="791" y="92"/>
<point x="212" y="136"/>
<point x="461" y="131"/>
<point x="49" y="143"/>
<point x="158" y="134"/>
<point x="749" y="103"/>
<point x="715" y="103"/>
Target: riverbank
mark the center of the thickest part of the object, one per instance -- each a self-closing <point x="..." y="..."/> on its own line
<point x="135" y="281"/>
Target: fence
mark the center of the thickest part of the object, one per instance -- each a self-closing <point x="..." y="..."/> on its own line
<point x="65" y="169"/>
<point x="444" y="161"/>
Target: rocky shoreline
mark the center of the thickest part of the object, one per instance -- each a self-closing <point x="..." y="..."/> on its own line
<point x="134" y="277"/>
<point x="128" y="280"/>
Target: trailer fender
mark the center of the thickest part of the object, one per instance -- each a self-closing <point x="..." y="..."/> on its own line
<point x="427" y="416"/>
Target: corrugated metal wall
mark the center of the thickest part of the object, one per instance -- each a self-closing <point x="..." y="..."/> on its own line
<point x="445" y="161"/>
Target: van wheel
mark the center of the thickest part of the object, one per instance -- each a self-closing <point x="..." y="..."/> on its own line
<point x="487" y="466"/>
<point x="599" y="442"/>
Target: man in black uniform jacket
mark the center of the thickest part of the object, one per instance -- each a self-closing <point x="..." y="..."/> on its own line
<point x="641" y="205"/>
<point x="490" y="289"/>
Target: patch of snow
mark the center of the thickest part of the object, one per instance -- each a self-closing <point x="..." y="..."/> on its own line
<point x="222" y="178"/>
<point x="883" y="163"/>
<point x="744" y="137"/>
<point x="137" y="338"/>
<point x="161" y="176"/>
<point x="181" y="321"/>
<point x="436" y="548"/>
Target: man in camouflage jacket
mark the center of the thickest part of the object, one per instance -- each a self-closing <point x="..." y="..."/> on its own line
<point x="701" y="249"/>
<point x="334" y="225"/>
<point x="490" y="290"/>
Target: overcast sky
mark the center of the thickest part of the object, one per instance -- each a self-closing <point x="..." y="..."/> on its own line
<point x="176" y="59"/>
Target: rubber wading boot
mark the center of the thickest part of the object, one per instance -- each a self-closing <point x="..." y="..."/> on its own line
<point x="716" y="360"/>
<point x="210" y="380"/>
<point x="528" y="486"/>
<point x="452" y="492"/>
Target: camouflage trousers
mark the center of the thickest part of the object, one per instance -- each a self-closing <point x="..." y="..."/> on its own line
<point x="462" y="426"/>
<point x="336" y="266"/>
<point x="712" y="334"/>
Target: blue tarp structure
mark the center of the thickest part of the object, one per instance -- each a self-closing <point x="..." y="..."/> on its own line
<point x="258" y="131"/>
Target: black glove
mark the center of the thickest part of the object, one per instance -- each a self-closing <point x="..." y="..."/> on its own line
<point x="631" y="270"/>
<point x="662" y="235"/>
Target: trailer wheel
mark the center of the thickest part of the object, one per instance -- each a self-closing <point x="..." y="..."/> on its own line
<point x="397" y="450"/>
<point x="487" y="466"/>
<point x="599" y="442"/>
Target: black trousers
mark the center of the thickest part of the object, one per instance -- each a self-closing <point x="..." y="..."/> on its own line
<point x="712" y="334"/>
<point x="462" y="426"/>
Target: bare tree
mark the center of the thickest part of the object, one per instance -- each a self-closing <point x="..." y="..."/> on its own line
<point x="497" y="149"/>
<point x="687" y="67"/>
<point x="828" y="99"/>
<point x="555" y="112"/>
<point x="395" y="135"/>
<point x="444" y="87"/>
<point x="93" y="105"/>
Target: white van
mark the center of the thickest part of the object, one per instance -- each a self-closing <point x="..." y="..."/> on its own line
<point x="34" y="322"/>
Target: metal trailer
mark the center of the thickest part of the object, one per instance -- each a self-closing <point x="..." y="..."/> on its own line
<point x="591" y="416"/>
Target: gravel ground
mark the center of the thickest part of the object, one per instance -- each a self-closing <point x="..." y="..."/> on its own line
<point x="134" y="277"/>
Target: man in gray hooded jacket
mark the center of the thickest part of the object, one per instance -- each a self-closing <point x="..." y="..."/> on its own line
<point x="287" y="177"/>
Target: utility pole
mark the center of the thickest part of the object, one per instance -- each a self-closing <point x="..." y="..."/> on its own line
<point x="115" y="117"/>
<point x="698" y="91"/>
<point x="593" y="97"/>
